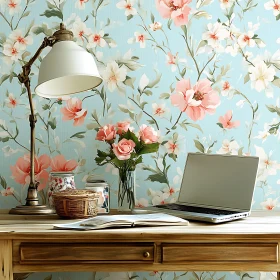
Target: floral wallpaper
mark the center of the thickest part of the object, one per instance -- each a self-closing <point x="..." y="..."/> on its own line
<point x="204" y="74"/>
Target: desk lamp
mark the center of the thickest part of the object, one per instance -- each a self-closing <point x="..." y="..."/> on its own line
<point x="66" y="69"/>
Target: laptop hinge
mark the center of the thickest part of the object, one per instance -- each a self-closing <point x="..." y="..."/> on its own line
<point x="213" y="207"/>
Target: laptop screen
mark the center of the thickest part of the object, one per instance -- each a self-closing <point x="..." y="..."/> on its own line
<point x="221" y="181"/>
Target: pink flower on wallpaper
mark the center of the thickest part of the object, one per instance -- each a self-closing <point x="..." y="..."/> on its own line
<point x="226" y="121"/>
<point x="123" y="127"/>
<point x="196" y="101"/>
<point x="20" y="171"/>
<point x="106" y="133"/>
<point x="177" y="10"/>
<point x="59" y="164"/>
<point x="123" y="149"/>
<point x="148" y="135"/>
<point x="184" y="96"/>
<point x="209" y="98"/>
<point x="74" y="111"/>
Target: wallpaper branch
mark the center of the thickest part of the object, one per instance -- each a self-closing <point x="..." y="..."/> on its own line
<point x="204" y="73"/>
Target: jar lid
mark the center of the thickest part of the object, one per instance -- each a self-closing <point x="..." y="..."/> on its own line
<point x="61" y="173"/>
<point x="95" y="179"/>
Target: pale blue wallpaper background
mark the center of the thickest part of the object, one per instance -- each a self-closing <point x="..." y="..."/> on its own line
<point x="204" y="73"/>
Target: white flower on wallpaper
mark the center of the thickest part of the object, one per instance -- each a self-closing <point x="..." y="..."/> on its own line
<point x="128" y="7"/>
<point x="81" y="4"/>
<point x="269" y="204"/>
<point x="229" y="147"/>
<point x="226" y="4"/>
<point x="267" y="164"/>
<point x="80" y="30"/>
<point x="114" y="76"/>
<point x="261" y="75"/>
<point x="273" y="5"/>
<point x="96" y="39"/>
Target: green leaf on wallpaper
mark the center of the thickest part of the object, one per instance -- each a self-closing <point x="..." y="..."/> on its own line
<point x="199" y="146"/>
<point x="148" y="92"/>
<point x="222" y="278"/>
<point x="201" y="44"/>
<point x="183" y="72"/>
<point x="195" y="125"/>
<point x="4" y="78"/>
<point x="2" y="38"/>
<point x="129" y="17"/>
<point x="156" y="80"/>
<point x="201" y="14"/>
<point x="273" y="109"/>
<point x="26" y="14"/>
<point x="164" y="95"/>
<point x="25" y="54"/>
<point x="3" y="182"/>
<point x="152" y="18"/>
<point x="278" y="17"/>
<point x="129" y="81"/>
<point x="276" y="82"/>
<point x="50" y="5"/>
<point x="220" y="125"/>
<point x="158" y="177"/>
<point x="79" y="135"/>
<point x="45" y="106"/>
<point x="169" y="23"/>
<point x="52" y="123"/>
<point x="246" y="78"/>
<point x="123" y="108"/>
<point x="42" y="29"/>
<point x="53" y="13"/>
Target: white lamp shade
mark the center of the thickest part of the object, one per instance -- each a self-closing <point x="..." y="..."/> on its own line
<point x="67" y="69"/>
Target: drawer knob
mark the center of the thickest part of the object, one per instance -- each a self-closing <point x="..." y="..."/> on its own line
<point x="146" y="254"/>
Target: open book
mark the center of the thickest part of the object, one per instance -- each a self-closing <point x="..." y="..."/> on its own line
<point x="116" y="221"/>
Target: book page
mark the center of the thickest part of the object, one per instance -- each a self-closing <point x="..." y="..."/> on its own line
<point x="101" y="222"/>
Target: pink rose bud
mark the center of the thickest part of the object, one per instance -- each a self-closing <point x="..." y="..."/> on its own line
<point x="123" y="127"/>
<point x="106" y="133"/>
<point x="123" y="149"/>
<point x="148" y="135"/>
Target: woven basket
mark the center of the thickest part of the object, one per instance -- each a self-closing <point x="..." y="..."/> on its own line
<point x="73" y="204"/>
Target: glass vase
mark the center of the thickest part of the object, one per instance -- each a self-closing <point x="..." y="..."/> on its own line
<point x="126" y="192"/>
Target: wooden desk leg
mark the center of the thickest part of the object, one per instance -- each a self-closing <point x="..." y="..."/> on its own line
<point x="278" y="275"/>
<point x="6" y="266"/>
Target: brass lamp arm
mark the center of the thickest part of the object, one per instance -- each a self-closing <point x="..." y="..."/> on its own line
<point x="32" y="198"/>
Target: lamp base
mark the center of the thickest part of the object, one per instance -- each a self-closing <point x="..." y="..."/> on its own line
<point x="32" y="210"/>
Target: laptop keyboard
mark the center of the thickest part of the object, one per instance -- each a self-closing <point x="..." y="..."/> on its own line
<point x="179" y="207"/>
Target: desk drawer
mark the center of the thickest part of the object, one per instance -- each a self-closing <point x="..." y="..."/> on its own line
<point x="249" y="252"/>
<point x="90" y="252"/>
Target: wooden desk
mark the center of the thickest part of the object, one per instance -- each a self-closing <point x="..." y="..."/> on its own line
<point x="29" y="244"/>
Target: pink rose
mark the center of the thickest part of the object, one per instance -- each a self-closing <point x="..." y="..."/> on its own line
<point x="106" y="133"/>
<point x="74" y="111"/>
<point x="123" y="127"/>
<point x="148" y="135"/>
<point x="20" y="171"/>
<point x="59" y="164"/>
<point x="123" y="149"/>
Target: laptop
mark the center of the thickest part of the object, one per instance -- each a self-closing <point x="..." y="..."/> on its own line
<point x="214" y="188"/>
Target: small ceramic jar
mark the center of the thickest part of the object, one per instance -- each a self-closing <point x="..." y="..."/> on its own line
<point x="59" y="181"/>
<point x="101" y="187"/>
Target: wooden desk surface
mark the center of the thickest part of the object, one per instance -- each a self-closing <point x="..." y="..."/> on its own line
<point x="30" y="244"/>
